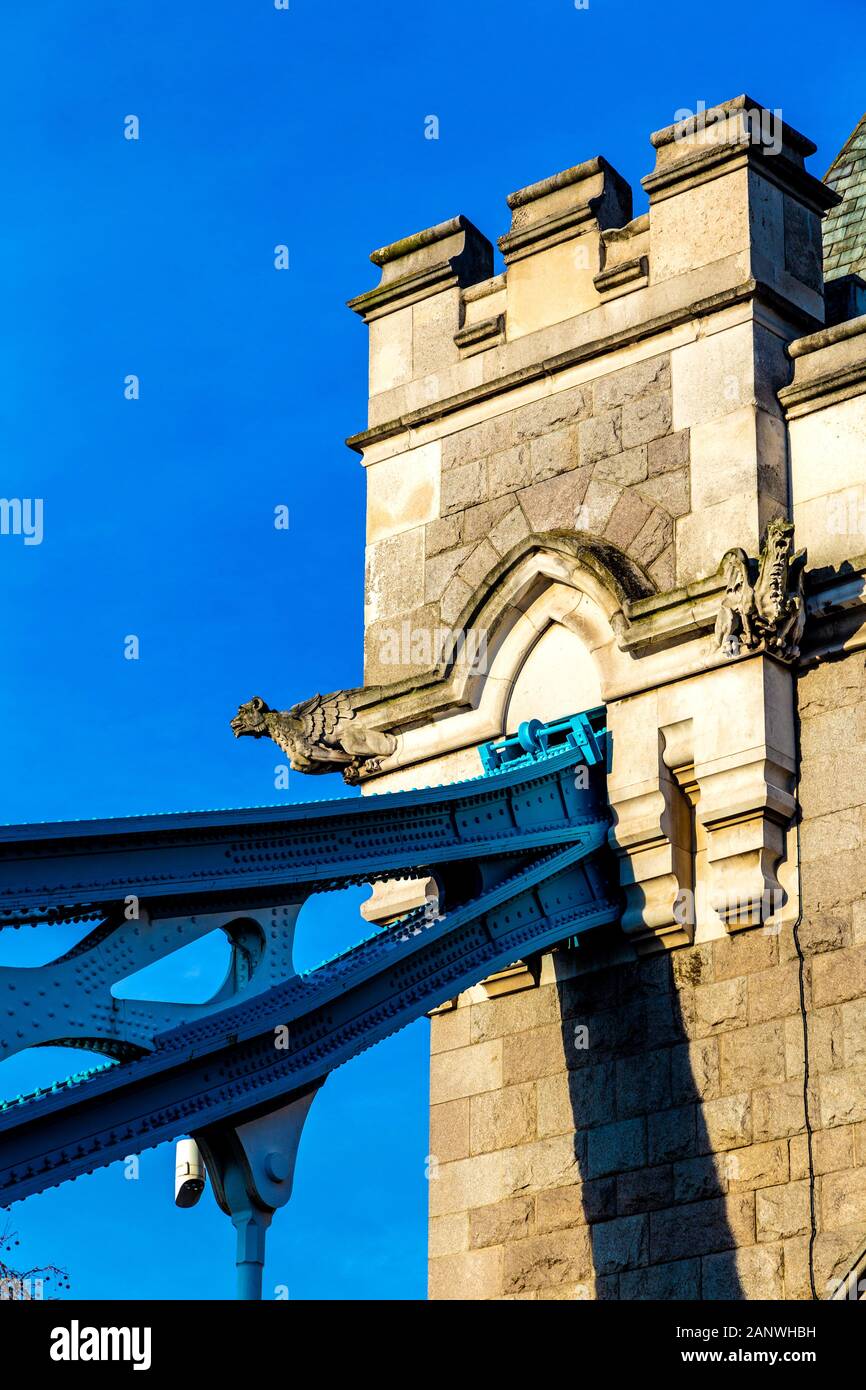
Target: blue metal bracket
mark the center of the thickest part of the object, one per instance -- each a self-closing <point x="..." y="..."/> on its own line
<point x="586" y="731"/>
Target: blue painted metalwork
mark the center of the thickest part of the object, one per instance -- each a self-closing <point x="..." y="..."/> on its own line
<point x="531" y="829"/>
<point x="585" y="731"/>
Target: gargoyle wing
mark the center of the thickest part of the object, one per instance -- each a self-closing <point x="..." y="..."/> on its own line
<point x="321" y="715"/>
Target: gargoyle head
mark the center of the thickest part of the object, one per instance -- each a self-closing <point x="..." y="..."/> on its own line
<point x="250" y="719"/>
<point x="772" y="585"/>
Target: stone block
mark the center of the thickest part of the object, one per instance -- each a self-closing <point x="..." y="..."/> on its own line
<point x="477" y="523"/>
<point x="466" y="1071"/>
<point x="695" y="1179"/>
<point x="541" y="1262"/>
<point x="695" y="1071"/>
<point x="670" y="1133"/>
<point x="448" y="1235"/>
<point x="600" y="437"/>
<point x="395" y="576"/>
<point x="514" y="1013"/>
<point x="468" y="1183"/>
<point x="654" y="538"/>
<point x="651" y="375"/>
<point x="449" y="1030"/>
<point x="449" y="1130"/>
<point x="510" y="470"/>
<point x="440" y="570"/>
<point x="620" y="1244"/>
<point x="843" y="1199"/>
<point x="647" y="418"/>
<point x="478" y="565"/>
<point x="719" y="1008"/>
<point x="501" y="1119"/>
<point x="854" y="1032"/>
<point x="509" y="531"/>
<point x="576" y="1099"/>
<point x="564" y="408"/>
<point x="753" y="1273"/>
<point x="474" y="1274"/>
<point x="556" y="503"/>
<point x="774" y="993"/>
<point x="832" y="1150"/>
<point x="826" y="1040"/>
<point x="553" y="453"/>
<point x="671" y="491"/>
<point x="725" y="1123"/>
<point x="598" y="505"/>
<point x="679" y="1281"/>
<point x="527" y="1056"/>
<point x="839" y="976"/>
<point x="757" y="1165"/>
<point x="647" y="1189"/>
<point x="561" y="1206"/>
<point x="624" y="468"/>
<point x="782" y="1211"/>
<point x="490" y="436"/>
<point x="443" y="534"/>
<point x="713" y="376"/>
<point x="842" y="1097"/>
<point x="391" y="351"/>
<point x="464" y="486"/>
<point x="669" y="454"/>
<point x="777" y="1111"/>
<point x="752" y="1057"/>
<point x="403" y="491"/>
<point x="702" y="1228"/>
<point x="615" y="1147"/>
<point x="551" y="1162"/>
<point x="627" y="519"/>
<point x="744" y="953"/>
<point x="454" y="600"/>
<point x="643" y="1083"/>
<point x="501" y="1222"/>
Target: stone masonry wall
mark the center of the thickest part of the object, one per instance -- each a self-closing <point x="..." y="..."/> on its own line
<point x="668" y="1157"/>
<point x="601" y="458"/>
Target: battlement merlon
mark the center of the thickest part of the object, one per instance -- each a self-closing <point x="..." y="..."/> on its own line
<point x="416" y="309"/>
<point x="734" y="214"/>
<point x="731" y="182"/>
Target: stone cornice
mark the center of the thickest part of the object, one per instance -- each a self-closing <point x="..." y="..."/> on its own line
<point x="680" y="615"/>
<point x="742" y="293"/>
<point x="730" y="136"/>
<point x="587" y="197"/>
<point x="829" y="367"/>
<point x="453" y="253"/>
<point x="709" y="163"/>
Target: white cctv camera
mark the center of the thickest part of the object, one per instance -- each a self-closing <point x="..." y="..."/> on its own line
<point x="190" y="1174"/>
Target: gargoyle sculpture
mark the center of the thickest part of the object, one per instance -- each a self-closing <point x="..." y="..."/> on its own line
<point x="764" y="602"/>
<point x="317" y="735"/>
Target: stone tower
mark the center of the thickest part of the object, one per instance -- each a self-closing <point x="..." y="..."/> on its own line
<point x="581" y="474"/>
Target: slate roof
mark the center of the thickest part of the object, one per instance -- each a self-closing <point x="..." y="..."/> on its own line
<point x="845" y="225"/>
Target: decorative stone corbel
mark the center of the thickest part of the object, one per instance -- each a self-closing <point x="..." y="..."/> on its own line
<point x="651" y="836"/>
<point x="747" y="799"/>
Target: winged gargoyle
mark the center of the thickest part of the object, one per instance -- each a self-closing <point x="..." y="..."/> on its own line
<point x="318" y="735"/>
<point x="767" y="607"/>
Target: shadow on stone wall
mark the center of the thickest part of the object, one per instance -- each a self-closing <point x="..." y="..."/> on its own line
<point x="653" y="1200"/>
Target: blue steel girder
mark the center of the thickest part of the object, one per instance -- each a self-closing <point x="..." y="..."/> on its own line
<point x="223" y="1062"/>
<point x="215" y="860"/>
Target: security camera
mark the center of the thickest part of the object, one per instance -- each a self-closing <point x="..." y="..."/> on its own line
<point x="190" y="1174"/>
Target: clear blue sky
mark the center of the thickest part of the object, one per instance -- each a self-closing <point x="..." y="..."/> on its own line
<point x="155" y="257"/>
